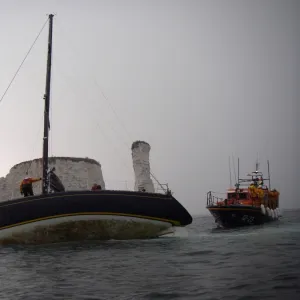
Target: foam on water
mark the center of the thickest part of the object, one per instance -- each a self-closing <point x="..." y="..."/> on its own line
<point x="178" y="232"/>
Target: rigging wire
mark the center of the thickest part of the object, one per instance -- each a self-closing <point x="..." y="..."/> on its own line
<point x="70" y="79"/>
<point x="69" y="42"/>
<point x="74" y="49"/>
<point x="110" y="105"/>
<point x="123" y="126"/>
<point x="23" y="61"/>
<point x="120" y="122"/>
<point x="16" y="73"/>
<point x="97" y="123"/>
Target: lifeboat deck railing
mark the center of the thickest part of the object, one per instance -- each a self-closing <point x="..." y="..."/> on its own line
<point x="211" y="199"/>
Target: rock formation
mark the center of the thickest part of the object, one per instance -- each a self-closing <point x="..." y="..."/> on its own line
<point x="140" y="158"/>
<point x="75" y="174"/>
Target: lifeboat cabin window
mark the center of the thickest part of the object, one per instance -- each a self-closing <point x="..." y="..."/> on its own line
<point x="233" y="196"/>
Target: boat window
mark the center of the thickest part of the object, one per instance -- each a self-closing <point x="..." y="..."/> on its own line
<point x="243" y="196"/>
<point x="233" y="196"/>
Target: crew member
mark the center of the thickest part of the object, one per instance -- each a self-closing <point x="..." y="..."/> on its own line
<point x="26" y="186"/>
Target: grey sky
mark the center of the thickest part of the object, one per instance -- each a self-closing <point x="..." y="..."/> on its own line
<point x="198" y="80"/>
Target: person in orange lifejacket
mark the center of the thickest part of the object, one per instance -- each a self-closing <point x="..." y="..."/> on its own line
<point x="26" y="186"/>
<point x="96" y="187"/>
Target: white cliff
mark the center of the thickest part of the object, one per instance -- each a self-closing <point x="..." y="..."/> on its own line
<point x="75" y="174"/>
<point x="141" y="165"/>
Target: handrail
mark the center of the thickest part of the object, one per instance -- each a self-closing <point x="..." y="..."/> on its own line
<point x="212" y="200"/>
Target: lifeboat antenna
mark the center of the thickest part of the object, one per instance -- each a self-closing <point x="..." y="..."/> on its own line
<point x="269" y="175"/>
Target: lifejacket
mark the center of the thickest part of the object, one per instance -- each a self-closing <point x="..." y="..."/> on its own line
<point x="28" y="181"/>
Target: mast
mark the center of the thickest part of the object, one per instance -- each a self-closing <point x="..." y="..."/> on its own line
<point x="269" y="175"/>
<point x="238" y="172"/>
<point x="257" y="163"/>
<point x="234" y="170"/>
<point x="46" y="111"/>
<point x="230" y="172"/>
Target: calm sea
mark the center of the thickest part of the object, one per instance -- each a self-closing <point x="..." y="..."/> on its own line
<point x="198" y="263"/>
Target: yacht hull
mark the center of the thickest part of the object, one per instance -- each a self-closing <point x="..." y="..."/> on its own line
<point x="89" y="215"/>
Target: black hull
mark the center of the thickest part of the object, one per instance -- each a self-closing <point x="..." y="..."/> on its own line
<point x="146" y="206"/>
<point x="238" y="216"/>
